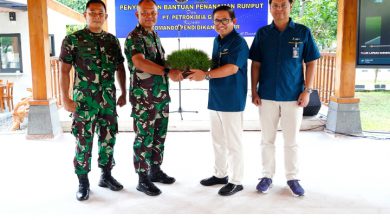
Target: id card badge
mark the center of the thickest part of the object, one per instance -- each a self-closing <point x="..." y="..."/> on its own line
<point x="295" y="52"/>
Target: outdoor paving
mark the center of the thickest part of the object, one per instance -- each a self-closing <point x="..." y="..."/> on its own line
<point x="340" y="174"/>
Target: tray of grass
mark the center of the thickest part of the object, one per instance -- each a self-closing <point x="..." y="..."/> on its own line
<point x="187" y="59"/>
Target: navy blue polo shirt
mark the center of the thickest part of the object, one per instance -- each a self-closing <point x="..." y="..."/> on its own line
<point x="281" y="73"/>
<point x="228" y="94"/>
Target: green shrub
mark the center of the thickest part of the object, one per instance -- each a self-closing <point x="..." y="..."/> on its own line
<point x="189" y="59"/>
<point x="71" y="28"/>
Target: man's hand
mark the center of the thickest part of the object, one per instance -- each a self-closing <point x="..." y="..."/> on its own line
<point x="197" y="75"/>
<point x="256" y="99"/>
<point x="303" y="99"/>
<point x="69" y="105"/>
<point x="121" y="100"/>
<point x="175" y="75"/>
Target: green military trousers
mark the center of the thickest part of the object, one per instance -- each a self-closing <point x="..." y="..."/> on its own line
<point x="85" y="123"/>
<point x="150" y="127"/>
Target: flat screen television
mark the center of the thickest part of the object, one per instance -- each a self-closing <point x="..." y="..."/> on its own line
<point x="373" y="48"/>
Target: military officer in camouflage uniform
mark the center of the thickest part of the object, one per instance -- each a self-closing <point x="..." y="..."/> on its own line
<point x="149" y="97"/>
<point x="96" y="56"/>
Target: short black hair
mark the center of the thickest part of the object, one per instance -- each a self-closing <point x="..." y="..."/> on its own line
<point x="225" y="8"/>
<point x="291" y="1"/>
<point x="140" y="2"/>
<point x="95" y="1"/>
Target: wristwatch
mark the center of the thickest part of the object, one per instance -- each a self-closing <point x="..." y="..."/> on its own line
<point x="309" y="90"/>
<point x="166" y="71"/>
<point x="207" y="77"/>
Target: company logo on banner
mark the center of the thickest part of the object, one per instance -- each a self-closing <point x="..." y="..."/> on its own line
<point x="192" y="17"/>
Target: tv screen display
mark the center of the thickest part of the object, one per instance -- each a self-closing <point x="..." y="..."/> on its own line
<point x="373" y="33"/>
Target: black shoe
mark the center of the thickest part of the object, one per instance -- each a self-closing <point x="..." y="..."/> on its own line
<point x="106" y="180"/>
<point x="214" y="181"/>
<point x="230" y="189"/>
<point x="146" y="186"/>
<point x="157" y="175"/>
<point x="83" y="192"/>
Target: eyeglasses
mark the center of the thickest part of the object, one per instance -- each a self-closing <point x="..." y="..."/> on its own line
<point x="93" y="14"/>
<point x="275" y="6"/>
<point x="224" y="21"/>
<point x="146" y="14"/>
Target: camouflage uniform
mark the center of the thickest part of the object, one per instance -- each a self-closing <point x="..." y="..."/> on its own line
<point x="95" y="58"/>
<point x="149" y="97"/>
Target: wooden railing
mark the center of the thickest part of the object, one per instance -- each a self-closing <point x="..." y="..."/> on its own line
<point x="324" y="80"/>
<point x="55" y="81"/>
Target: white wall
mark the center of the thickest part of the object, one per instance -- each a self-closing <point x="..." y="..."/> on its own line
<point x="18" y="27"/>
<point x="57" y="25"/>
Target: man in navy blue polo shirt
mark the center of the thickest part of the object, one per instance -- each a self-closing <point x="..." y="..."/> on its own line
<point x="227" y="97"/>
<point x="280" y="88"/>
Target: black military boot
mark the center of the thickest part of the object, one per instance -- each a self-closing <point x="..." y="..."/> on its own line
<point x="106" y="180"/>
<point x="157" y="175"/>
<point x="146" y="186"/>
<point x="83" y="193"/>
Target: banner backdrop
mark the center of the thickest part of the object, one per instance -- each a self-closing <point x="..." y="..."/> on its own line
<point x="192" y="17"/>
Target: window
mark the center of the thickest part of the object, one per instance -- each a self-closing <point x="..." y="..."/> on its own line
<point x="10" y="54"/>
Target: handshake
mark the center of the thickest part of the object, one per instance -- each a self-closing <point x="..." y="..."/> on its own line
<point x="193" y="74"/>
<point x="189" y="64"/>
